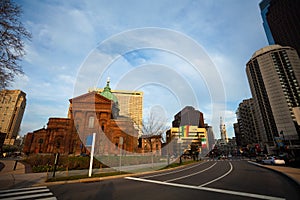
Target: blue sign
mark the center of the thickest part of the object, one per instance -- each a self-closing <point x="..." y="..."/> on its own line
<point x="89" y="140"/>
<point x="279" y="141"/>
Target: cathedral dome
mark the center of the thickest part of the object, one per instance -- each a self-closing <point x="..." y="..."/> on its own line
<point x="108" y="94"/>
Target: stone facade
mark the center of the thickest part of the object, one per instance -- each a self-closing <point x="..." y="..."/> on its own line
<point x="89" y="113"/>
<point x="130" y="103"/>
<point x="60" y="136"/>
<point x="150" y="144"/>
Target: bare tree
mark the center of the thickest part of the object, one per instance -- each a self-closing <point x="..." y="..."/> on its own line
<point x="153" y="127"/>
<point x="12" y="38"/>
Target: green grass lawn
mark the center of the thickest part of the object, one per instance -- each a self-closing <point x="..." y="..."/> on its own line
<point x="76" y="177"/>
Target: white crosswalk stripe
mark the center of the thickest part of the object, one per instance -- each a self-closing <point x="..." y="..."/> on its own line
<point x="27" y="193"/>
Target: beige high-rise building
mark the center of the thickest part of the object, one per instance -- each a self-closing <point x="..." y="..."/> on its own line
<point x="12" y="107"/>
<point x="130" y="103"/>
<point x="274" y="77"/>
<point x="223" y="131"/>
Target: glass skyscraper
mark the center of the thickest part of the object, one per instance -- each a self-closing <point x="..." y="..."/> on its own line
<point x="264" y="5"/>
<point x="281" y="21"/>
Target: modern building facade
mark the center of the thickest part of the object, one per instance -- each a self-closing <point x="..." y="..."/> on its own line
<point x="281" y="20"/>
<point x="274" y="76"/>
<point x="188" y="116"/>
<point x="12" y="107"/>
<point x="238" y="136"/>
<point x="264" y="8"/>
<point x="180" y="139"/>
<point x="189" y="131"/>
<point x="210" y="136"/>
<point x="247" y="130"/>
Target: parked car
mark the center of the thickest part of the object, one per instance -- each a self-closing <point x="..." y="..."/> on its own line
<point x="259" y="158"/>
<point x="273" y="160"/>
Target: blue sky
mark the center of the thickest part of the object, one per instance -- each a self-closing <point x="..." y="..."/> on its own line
<point x="203" y="65"/>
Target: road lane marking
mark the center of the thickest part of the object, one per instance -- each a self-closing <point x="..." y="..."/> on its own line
<point x="244" y="194"/>
<point x="174" y="179"/>
<point x="231" y="168"/>
<point x="176" y="171"/>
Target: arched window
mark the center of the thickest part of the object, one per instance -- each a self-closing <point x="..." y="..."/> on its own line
<point x="91" y="122"/>
<point x="102" y="126"/>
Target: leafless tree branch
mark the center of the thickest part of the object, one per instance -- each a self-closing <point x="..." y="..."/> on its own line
<point x="12" y="39"/>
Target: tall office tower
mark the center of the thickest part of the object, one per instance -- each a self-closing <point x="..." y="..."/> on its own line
<point x="12" y="107"/>
<point x="223" y="132"/>
<point x="188" y="116"/>
<point x="130" y="104"/>
<point x="210" y="136"/>
<point x="247" y="123"/>
<point x="274" y="77"/>
<point x="281" y="20"/>
<point x="238" y="136"/>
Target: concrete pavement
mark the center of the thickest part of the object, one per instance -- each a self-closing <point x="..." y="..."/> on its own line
<point x="18" y="178"/>
<point x="10" y="178"/>
<point x="293" y="173"/>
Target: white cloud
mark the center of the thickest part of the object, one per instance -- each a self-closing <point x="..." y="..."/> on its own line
<point x="65" y="32"/>
<point x="20" y="82"/>
<point x="66" y="79"/>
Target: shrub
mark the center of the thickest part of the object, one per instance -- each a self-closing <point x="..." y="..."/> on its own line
<point x="45" y="162"/>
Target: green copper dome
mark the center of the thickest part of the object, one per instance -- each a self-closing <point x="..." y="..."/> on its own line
<point x="107" y="93"/>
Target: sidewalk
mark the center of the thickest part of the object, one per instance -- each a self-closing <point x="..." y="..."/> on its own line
<point x="9" y="166"/>
<point x="293" y="173"/>
<point x="10" y="178"/>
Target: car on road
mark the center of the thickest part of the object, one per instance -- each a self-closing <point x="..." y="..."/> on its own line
<point x="273" y="160"/>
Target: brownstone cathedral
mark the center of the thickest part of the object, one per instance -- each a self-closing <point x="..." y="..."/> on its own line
<point x="89" y="113"/>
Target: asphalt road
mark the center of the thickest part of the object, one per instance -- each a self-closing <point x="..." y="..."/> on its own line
<point x="204" y="180"/>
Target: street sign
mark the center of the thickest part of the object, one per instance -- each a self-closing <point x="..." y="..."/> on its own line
<point x="89" y="141"/>
<point x="279" y="141"/>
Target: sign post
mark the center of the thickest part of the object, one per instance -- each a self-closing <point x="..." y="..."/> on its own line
<point x="92" y="154"/>
<point x="121" y="143"/>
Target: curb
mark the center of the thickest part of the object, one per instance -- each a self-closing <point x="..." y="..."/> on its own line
<point x="83" y="180"/>
<point x="277" y="171"/>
